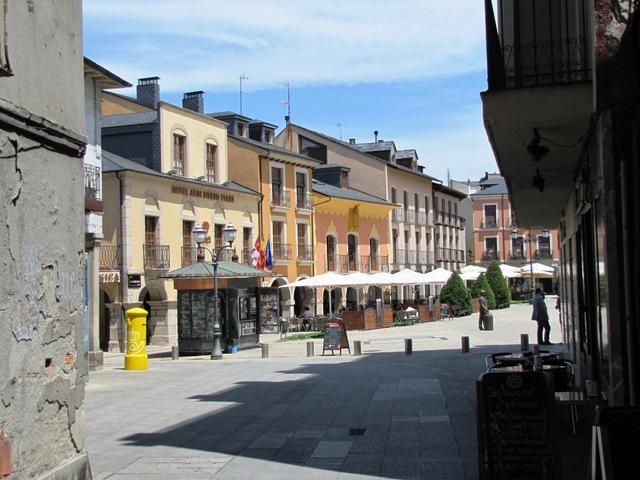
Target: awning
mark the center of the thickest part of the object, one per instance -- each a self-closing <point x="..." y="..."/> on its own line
<point x="225" y="270"/>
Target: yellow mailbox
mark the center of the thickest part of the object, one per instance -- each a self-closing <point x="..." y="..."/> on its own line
<point x="136" y="356"/>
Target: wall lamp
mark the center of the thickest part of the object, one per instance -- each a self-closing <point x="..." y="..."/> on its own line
<point x="536" y="151"/>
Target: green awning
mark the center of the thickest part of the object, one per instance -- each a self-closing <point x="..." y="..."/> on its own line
<point x="225" y="270"/>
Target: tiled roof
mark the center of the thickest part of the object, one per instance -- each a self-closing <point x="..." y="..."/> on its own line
<point x="411" y="153"/>
<point x="228" y="114"/>
<point x="126" y="119"/>
<point x="438" y="187"/>
<point x="272" y="147"/>
<point x="224" y="270"/>
<point x="350" y="193"/>
<point x="375" y="146"/>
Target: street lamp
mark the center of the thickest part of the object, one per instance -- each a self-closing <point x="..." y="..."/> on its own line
<point x="228" y="235"/>
<point x="528" y="239"/>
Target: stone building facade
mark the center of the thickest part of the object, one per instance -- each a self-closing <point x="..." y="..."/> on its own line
<point x="43" y="352"/>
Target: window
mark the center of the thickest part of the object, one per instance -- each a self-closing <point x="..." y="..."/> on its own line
<point x="490" y="216"/>
<point x="490" y="248"/>
<point x="405" y="199"/>
<point x="301" y="190"/>
<point x="267" y="136"/>
<point x="352" y="247"/>
<point x="449" y="205"/>
<point x="344" y="180"/>
<point x="246" y="244"/>
<point x="426" y="203"/>
<point x="331" y="252"/>
<point x="278" y="231"/>
<point x="212" y="151"/>
<point x="150" y="230"/>
<point x="240" y="129"/>
<point x="178" y="153"/>
<point x="276" y="186"/>
<point x="312" y="149"/>
<point x="373" y="254"/>
<point x="416" y="201"/>
<point x="394" y="195"/>
<point x="188" y="253"/>
<point x="544" y="246"/>
<point x="217" y="235"/>
<point x="517" y="248"/>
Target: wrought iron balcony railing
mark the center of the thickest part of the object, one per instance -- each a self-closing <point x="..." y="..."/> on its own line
<point x="281" y="252"/>
<point x="489" y="223"/>
<point x="397" y="214"/>
<point x="280" y="198"/>
<point x="156" y="257"/>
<point x="490" y="255"/>
<point x="517" y="255"/>
<point x="303" y="202"/>
<point x="305" y="253"/>
<point x="92" y="181"/>
<point x="110" y="257"/>
<point x="543" y="253"/>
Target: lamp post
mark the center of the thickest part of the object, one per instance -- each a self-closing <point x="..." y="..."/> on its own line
<point x="528" y="239"/>
<point x="228" y="235"/>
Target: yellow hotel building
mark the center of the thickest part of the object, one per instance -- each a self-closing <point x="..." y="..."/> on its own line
<point x="165" y="168"/>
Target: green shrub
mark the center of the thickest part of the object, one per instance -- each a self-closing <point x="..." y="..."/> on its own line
<point x="483" y="284"/>
<point x="475" y="289"/>
<point x="456" y="294"/>
<point x="499" y="285"/>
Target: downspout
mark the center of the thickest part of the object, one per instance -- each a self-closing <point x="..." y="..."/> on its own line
<point x="123" y="264"/>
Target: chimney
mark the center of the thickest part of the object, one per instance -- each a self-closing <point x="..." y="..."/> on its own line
<point x="148" y="91"/>
<point x="352" y="141"/>
<point x="287" y="119"/>
<point x="194" y="101"/>
<point x="375" y="136"/>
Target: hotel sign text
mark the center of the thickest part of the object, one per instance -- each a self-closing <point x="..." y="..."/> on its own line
<point x="194" y="192"/>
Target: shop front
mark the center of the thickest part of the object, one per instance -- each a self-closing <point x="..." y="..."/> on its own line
<point x="239" y="306"/>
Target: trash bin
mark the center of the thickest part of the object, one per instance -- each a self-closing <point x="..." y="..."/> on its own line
<point x="284" y="326"/>
<point x="488" y="321"/>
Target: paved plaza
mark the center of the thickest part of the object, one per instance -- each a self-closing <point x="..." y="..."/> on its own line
<point x="380" y="415"/>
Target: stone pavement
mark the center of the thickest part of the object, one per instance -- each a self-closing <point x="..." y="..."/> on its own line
<point x="381" y="415"/>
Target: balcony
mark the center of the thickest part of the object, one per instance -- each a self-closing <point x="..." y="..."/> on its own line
<point x="539" y="78"/>
<point x="489" y="223"/>
<point x="460" y="256"/>
<point x="281" y="252"/>
<point x="410" y="216"/>
<point x="399" y="258"/>
<point x="189" y="255"/>
<point x="246" y="256"/>
<point x="412" y="257"/>
<point x="458" y="221"/>
<point x="374" y="263"/>
<point x="489" y="255"/>
<point x="543" y="253"/>
<point x="305" y="253"/>
<point x="303" y="202"/>
<point x="397" y="215"/>
<point x="110" y="258"/>
<point x="156" y="257"/>
<point x="422" y="218"/>
<point x="280" y="199"/>
<point x="517" y="255"/>
<point x="92" y="191"/>
<point x="440" y="217"/>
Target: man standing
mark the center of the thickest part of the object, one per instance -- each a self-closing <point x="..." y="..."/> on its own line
<point x="484" y="310"/>
<point x="541" y="316"/>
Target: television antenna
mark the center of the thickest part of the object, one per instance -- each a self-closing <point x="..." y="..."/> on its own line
<point x="339" y="125"/>
<point x="242" y="77"/>
<point x="287" y="102"/>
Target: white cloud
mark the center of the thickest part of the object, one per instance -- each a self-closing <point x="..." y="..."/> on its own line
<point x="208" y="44"/>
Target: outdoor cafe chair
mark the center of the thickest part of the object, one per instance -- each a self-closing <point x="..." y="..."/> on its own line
<point x="491" y="359"/>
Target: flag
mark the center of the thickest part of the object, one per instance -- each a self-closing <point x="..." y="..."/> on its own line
<point x="269" y="255"/>
<point x="261" y="260"/>
<point x="255" y="254"/>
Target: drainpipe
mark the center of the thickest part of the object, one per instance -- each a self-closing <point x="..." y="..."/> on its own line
<point x="123" y="264"/>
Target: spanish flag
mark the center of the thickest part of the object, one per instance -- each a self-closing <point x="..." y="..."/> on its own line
<point x="262" y="259"/>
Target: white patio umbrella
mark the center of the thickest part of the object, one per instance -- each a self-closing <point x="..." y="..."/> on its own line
<point x="509" y="271"/>
<point x="470" y="275"/>
<point x="328" y="280"/>
<point x="535" y="273"/>
<point x="409" y="277"/>
<point x="473" y="268"/>
<point x="384" y="278"/>
<point x="540" y="266"/>
<point x="439" y="276"/>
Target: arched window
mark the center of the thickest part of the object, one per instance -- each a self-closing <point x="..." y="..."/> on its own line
<point x="394" y="195"/>
<point x="179" y="152"/>
<point x="211" y="161"/>
<point x="373" y="254"/>
<point x="352" y="252"/>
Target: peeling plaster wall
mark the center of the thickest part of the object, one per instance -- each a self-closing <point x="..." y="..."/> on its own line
<point x="42" y="360"/>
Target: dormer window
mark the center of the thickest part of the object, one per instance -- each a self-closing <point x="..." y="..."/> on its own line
<point x="267" y="136"/>
<point x="240" y="129"/>
<point x="344" y="180"/>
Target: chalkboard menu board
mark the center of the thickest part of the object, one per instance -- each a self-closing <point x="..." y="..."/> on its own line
<point x="335" y="338"/>
<point x="515" y="436"/>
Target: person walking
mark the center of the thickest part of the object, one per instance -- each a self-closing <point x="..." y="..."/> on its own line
<point x="541" y="316"/>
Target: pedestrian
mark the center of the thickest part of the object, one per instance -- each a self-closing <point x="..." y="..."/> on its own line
<point x="541" y="316"/>
<point x="306" y="319"/>
<point x="484" y="310"/>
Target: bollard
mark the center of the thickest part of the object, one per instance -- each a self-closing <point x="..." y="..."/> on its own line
<point x="175" y="353"/>
<point x="524" y="342"/>
<point x="265" y="350"/>
<point x="136" y="356"/>
<point x="465" y="344"/>
<point x="309" y="349"/>
<point x="408" y="346"/>
<point x="357" y="348"/>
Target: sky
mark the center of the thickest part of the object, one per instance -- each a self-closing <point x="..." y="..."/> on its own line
<point x="411" y="69"/>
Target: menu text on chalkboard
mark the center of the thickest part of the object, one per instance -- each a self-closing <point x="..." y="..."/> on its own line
<point x="335" y="338"/>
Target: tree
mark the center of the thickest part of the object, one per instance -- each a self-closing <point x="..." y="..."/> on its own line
<point x="499" y="285"/>
<point x="456" y="294"/>
<point x="483" y="284"/>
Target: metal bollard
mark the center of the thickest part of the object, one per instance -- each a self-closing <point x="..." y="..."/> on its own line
<point x="309" y="349"/>
<point x="465" y="344"/>
<point x="175" y="353"/>
<point x="408" y="346"/>
<point x="524" y="342"/>
<point x="357" y="348"/>
<point x="265" y="350"/>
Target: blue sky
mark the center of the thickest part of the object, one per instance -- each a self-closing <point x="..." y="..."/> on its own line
<point x="413" y="70"/>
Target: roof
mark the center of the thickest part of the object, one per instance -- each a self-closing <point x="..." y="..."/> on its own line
<point x="272" y="147"/>
<point x="438" y="187"/>
<point x="225" y="270"/>
<point x="107" y="79"/>
<point x="128" y="99"/>
<point x="410" y="153"/>
<point x="498" y="186"/>
<point x="228" y="114"/>
<point x="126" y="119"/>
<point x="257" y="121"/>
<point x="375" y="146"/>
<point x="352" y="147"/>
<point x="115" y="163"/>
<point x="349" y="193"/>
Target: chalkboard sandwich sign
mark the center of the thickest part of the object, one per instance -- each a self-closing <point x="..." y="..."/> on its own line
<point x="335" y="338"/>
